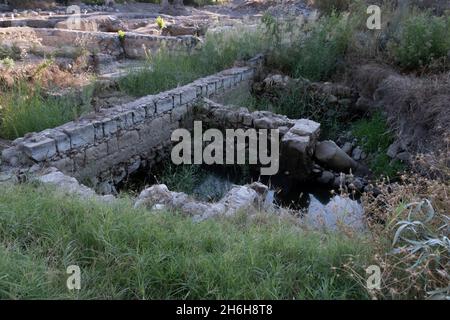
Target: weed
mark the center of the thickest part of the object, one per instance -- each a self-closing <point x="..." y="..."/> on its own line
<point x="375" y="138"/>
<point x="160" y="22"/>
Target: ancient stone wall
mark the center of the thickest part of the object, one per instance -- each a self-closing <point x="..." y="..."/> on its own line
<point x="297" y="137"/>
<point x="107" y="146"/>
<point x="134" y="45"/>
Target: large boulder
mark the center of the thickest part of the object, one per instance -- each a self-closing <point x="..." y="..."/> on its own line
<point x="340" y="212"/>
<point x="330" y="155"/>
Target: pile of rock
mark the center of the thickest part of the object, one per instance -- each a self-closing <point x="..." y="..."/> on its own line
<point x="249" y="198"/>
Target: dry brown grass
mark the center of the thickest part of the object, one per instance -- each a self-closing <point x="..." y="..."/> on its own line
<point x="47" y="74"/>
<point x="415" y="262"/>
<point x="416" y="107"/>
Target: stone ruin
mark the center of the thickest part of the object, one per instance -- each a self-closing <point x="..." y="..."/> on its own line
<point x="104" y="148"/>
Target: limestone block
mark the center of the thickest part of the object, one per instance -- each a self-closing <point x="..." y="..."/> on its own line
<point x="124" y="120"/>
<point x="62" y="140"/>
<point x="80" y="134"/>
<point x="139" y="114"/>
<point x="328" y="153"/>
<point x="40" y="150"/>
<point x="96" y="152"/>
<point x="66" y="165"/>
<point x="164" y="103"/>
<point x="128" y="138"/>
<point x="112" y="145"/>
<point x="109" y="127"/>
<point x="305" y="127"/>
<point x="98" y="130"/>
<point x="189" y="94"/>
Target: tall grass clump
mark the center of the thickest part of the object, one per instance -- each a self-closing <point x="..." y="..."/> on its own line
<point x="421" y="38"/>
<point x="375" y="138"/>
<point x="26" y="109"/>
<point x="182" y="178"/>
<point x="125" y="253"/>
<point x="315" y="49"/>
<point x="166" y="70"/>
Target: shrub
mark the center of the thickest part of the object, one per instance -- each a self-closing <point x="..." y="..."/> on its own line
<point x="421" y="38"/>
<point x="7" y="62"/>
<point x="160" y="22"/>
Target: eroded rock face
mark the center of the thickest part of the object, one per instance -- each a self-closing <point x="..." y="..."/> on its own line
<point x="248" y="198"/>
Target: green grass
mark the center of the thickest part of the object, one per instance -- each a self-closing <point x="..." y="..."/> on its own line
<point x="182" y="178"/>
<point x="375" y="138"/>
<point x="297" y="101"/>
<point x="166" y="70"/>
<point x="135" y="254"/>
<point x="24" y="109"/>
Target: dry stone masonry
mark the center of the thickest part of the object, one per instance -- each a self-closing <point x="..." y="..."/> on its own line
<point x="105" y="147"/>
<point x="134" y="46"/>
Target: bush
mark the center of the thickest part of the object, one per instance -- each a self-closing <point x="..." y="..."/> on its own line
<point x="421" y="38"/>
<point x="7" y="63"/>
<point x="131" y="254"/>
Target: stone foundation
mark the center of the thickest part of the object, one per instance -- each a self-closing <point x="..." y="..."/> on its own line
<point x="105" y="147"/>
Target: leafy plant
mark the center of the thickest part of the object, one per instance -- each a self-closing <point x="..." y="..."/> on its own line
<point x="414" y="237"/>
<point x="7" y="62"/>
<point x="121" y="34"/>
<point x="160" y="22"/>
